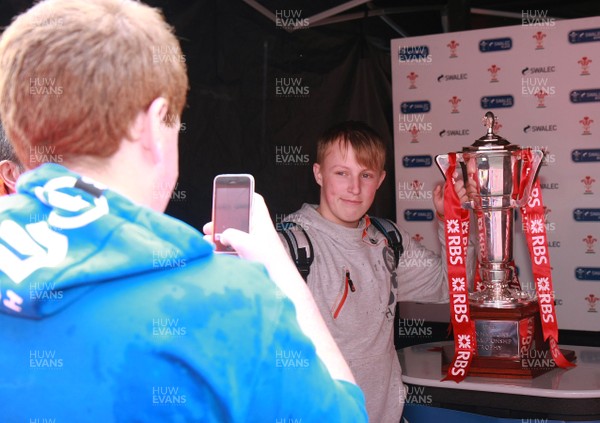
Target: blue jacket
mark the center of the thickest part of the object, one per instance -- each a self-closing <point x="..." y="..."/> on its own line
<point x="112" y="312"/>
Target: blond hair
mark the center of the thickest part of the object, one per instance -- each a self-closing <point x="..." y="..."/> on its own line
<point x="75" y="74"/>
<point x="368" y="147"/>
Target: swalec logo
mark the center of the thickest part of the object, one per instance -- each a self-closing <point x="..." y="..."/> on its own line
<point x="584" y="36"/>
<point x="417" y="161"/>
<point x="418" y="215"/>
<point x="495" y="44"/>
<point x="497" y="101"/>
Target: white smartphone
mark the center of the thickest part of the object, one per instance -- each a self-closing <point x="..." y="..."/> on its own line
<point x="232" y="205"/>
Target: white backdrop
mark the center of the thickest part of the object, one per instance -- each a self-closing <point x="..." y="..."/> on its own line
<point x="542" y="80"/>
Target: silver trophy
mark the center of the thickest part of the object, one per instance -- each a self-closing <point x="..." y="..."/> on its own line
<point x="507" y="319"/>
<point x="491" y="166"/>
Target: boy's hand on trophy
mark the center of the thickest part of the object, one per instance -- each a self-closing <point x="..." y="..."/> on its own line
<point x="471" y="188"/>
<point x="464" y="193"/>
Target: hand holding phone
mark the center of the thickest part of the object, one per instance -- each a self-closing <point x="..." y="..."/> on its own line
<point x="232" y="205"/>
<point x="264" y="246"/>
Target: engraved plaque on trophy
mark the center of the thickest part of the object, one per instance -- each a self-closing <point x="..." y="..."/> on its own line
<point x="507" y="320"/>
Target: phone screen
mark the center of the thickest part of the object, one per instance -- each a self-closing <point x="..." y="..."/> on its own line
<point x="231" y="205"/>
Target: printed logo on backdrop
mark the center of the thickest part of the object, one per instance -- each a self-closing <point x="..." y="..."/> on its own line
<point x="541" y="95"/>
<point x="418" y="238"/>
<point x="585" y="96"/>
<point x="590" y="241"/>
<point x="412" y="78"/>
<point x="586" y="124"/>
<point x="453" y="77"/>
<point x="587" y="273"/>
<point x="454" y="133"/>
<point x="495" y="44"/>
<point x="497" y="126"/>
<point x="549" y="127"/>
<point x="453" y="46"/>
<point x="584" y="36"/>
<point x="414" y="134"/>
<point x="549" y="185"/>
<point x="539" y="87"/>
<point x="538" y="69"/>
<point x="539" y="40"/>
<point x="424" y="160"/>
<point x="582" y="155"/>
<point x="410" y="107"/>
<point x="497" y="101"/>
<point x="586" y="215"/>
<point x="588" y="183"/>
<point x="414" y="124"/>
<point x="592" y="300"/>
<point x="412" y="119"/>
<point x="493" y="70"/>
<point x="454" y="102"/>
<point x="585" y="63"/>
<point x="414" y="54"/>
<point x="554" y="244"/>
<point x="418" y="215"/>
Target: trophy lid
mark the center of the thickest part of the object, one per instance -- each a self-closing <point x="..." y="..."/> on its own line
<point x="490" y="141"/>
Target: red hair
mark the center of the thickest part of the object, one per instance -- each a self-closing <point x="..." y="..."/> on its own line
<point x="75" y="74"/>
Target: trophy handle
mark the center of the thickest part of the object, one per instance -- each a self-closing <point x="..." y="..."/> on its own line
<point x="442" y="161"/>
<point x="536" y="160"/>
<point x="443" y="164"/>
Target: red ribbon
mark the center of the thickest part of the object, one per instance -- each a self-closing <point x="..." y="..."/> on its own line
<point x="456" y="229"/>
<point x="534" y="226"/>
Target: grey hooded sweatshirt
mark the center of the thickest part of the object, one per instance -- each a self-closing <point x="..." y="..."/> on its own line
<point x="356" y="286"/>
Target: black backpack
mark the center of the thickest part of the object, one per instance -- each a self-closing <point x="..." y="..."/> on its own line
<point x="303" y="252"/>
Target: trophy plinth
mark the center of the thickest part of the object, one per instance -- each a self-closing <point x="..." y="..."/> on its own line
<point x="510" y="344"/>
<point x="507" y="319"/>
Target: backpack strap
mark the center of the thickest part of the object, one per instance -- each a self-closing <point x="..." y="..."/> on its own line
<point x="392" y="234"/>
<point x="300" y="247"/>
<point x="302" y="251"/>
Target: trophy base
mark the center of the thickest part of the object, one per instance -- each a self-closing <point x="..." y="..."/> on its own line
<point x="501" y="367"/>
<point x="510" y="343"/>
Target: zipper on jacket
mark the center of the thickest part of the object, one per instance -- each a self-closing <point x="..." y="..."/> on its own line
<point x="348" y="285"/>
